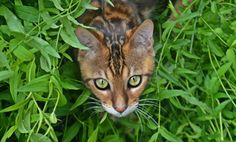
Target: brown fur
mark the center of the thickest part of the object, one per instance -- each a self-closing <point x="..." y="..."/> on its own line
<point x="119" y="48"/>
<point x="94" y="65"/>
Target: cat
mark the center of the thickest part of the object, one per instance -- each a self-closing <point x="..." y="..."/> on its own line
<point x="120" y="59"/>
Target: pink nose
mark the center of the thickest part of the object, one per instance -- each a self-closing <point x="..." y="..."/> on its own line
<point x="120" y="109"/>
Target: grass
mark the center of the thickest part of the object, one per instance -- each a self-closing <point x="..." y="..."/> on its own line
<point x="193" y="88"/>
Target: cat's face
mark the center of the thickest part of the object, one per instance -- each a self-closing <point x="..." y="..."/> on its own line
<point x="118" y="91"/>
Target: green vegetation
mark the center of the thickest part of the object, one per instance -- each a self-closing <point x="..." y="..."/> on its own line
<point x="193" y="88"/>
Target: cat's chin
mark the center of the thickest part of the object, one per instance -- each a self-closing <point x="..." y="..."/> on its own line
<point x="113" y="112"/>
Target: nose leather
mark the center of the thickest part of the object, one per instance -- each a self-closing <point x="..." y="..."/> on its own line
<point x="120" y="109"/>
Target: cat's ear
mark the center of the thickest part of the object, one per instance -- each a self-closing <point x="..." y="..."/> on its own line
<point x="143" y="35"/>
<point x="87" y="39"/>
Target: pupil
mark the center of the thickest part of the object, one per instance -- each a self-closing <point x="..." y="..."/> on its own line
<point x="102" y="82"/>
<point x="134" y="81"/>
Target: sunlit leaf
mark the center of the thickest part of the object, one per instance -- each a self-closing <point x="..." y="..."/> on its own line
<point x="37" y="137"/>
<point x="15" y="106"/>
<point x="5" y="74"/>
<point x="43" y="46"/>
<point x="27" y="13"/>
<point x="57" y="4"/>
<point x="39" y="84"/>
<point x="23" y="54"/>
<point x="9" y="133"/>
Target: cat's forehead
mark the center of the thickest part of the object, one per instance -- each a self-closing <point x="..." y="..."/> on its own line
<point x="113" y="30"/>
<point x="114" y="37"/>
<point x="117" y="78"/>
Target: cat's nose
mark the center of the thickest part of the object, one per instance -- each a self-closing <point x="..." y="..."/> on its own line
<point x="120" y="109"/>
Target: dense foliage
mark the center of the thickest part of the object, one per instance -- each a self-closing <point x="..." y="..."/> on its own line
<point x="193" y="88"/>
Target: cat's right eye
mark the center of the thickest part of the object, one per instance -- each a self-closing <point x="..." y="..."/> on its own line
<point x="101" y="84"/>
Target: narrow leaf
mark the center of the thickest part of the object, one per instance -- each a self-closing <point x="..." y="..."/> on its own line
<point x="71" y="39"/>
<point x="23" y="54"/>
<point x="57" y="4"/>
<point x="15" y="106"/>
<point x="93" y="136"/>
<point x="3" y="61"/>
<point x="43" y="46"/>
<point x="68" y="35"/>
<point x="223" y="69"/>
<point x="27" y="13"/>
<point x="39" y="84"/>
<point x="5" y="74"/>
<point x="221" y="106"/>
<point x="71" y="132"/>
<point x="37" y="137"/>
<point x="168" y="135"/>
<point x="81" y="99"/>
<point x="9" y="133"/>
<point x="166" y="94"/>
<point x="230" y="55"/>
<point x="12" y="22"/>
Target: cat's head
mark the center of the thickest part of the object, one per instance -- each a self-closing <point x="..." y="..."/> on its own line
<point x="117" y="78"/>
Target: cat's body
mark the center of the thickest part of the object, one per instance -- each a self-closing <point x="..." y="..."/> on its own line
<point x="120" y="59"/>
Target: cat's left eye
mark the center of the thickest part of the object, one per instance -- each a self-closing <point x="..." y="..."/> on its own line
<point x="101" y="84"/>
<point x="134" y="81"/>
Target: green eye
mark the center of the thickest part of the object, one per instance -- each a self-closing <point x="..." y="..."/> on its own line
<point x="134" y="81"/>
<point x="101" y="84"/>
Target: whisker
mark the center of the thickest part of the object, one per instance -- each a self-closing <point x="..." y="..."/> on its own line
<point x="93" y="107"/>
<point x="97" y="106"/>
<point x="147" y="104"/>
<point x="149" y="99"/>
<point x="96" y="112"/>
<point x="93" y="103"/>
<point x="140" y="119"/>
<point x="151" y="105"/>
<point x="95" y="99"/>
<point x="148" y="115"/>
<point x="145" y="112"/>
<point x="151" y="102"/>
<point x="141" y="113"/>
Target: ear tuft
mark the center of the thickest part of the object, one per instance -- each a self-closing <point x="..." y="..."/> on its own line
<point x="143" y="35"/>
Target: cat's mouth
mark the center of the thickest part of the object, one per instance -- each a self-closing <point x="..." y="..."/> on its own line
<point x="115" y="113"/>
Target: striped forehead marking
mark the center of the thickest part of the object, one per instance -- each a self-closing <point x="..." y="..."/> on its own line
<point x="115" y="43"/>
<point x="114" y="23"/>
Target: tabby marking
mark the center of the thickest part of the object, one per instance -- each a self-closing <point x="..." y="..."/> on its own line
<point x="120" y="58"/>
